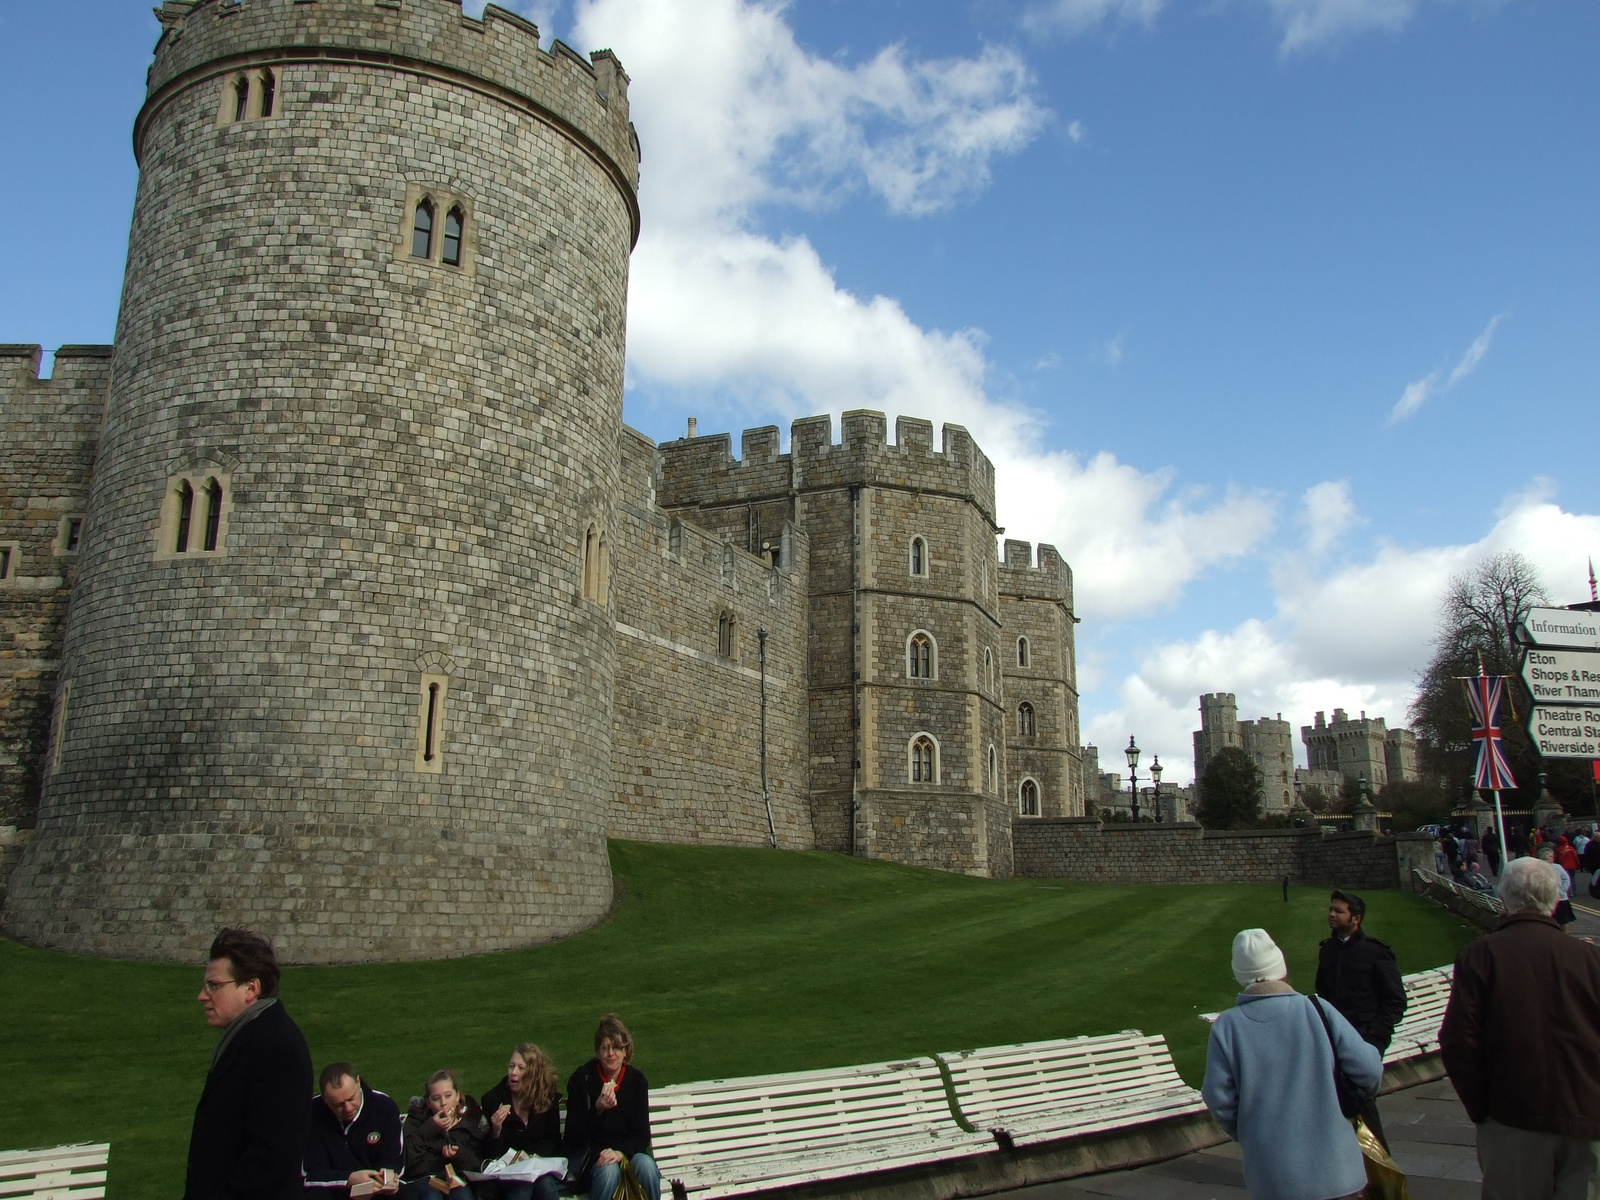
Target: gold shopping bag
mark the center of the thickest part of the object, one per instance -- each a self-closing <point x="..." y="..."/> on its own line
<point x="1385" y="1179"/>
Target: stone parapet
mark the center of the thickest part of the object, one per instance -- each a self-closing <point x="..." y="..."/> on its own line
<point x="498" y="55"/>
<point x="703" y="471"/>
<point x="1088" y="851"/>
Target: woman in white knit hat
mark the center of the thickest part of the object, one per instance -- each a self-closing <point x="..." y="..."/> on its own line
<point x="1269" y="1081"/>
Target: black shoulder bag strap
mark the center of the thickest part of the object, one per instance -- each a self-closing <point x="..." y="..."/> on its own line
<point x="1352" y="1100"/>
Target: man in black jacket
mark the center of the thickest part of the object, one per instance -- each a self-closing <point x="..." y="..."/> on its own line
<point x="1357" y="974"/>
<point x="354" y="1137"/>
<point x="249" y="1135"/>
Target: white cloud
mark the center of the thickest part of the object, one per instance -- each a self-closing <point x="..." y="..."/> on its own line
<point x="1437" y="383"/>
<point x="734" y="115"/>
<point x="1329" y="514"/>
<point x="1069" y="18"/>
<point x="1310" y="23"/>
<point x="1077" y="131"/>
<point x="1355" y="637"/>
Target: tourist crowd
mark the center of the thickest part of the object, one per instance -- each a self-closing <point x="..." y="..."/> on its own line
<point x="260" y="1131"/>
<point x="1293" y="1078"/>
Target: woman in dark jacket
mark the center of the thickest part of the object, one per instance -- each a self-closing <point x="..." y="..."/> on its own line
<point x="444" y="1134"/>
<point x="524" y="1113"/>
<point x="608" y="1116"/>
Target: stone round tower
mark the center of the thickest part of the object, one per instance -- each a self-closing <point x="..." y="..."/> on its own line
<point x="339" y="660"/>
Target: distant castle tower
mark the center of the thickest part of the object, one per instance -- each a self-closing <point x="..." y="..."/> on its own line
<point x="1219" y="728"/>
<point x="340" y="652"/>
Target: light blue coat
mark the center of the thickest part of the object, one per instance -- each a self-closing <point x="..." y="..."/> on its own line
<point x="1269" y="1083"/>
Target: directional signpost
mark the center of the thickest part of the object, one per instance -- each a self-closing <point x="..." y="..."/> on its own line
<point x="1562" y="670"/>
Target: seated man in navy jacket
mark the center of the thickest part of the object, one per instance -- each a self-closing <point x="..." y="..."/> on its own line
<point x="354" y="1136"/>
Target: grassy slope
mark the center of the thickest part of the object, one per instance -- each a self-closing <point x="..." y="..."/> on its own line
<point x="723" y="962"/>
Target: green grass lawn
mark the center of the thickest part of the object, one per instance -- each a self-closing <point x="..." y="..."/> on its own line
<point x="723" y="962"/>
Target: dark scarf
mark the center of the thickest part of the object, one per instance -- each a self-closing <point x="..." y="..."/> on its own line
<point x="239" y="1022"/>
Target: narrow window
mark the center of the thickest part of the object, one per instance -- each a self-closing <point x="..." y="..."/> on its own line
<point x="241" y="98"/>
<point x="1022" y="652"/>
<point x="5" y="562"/>
<point x="269" y="85"/>
<point x="1030" y="798"/>
<point x="180" y="544"/>
<point x="74" y="533"/>
<point x="988" y="667"/>
<point x="922" y="760"/>
<point x="430" y="723"/>
<point x="725" y="635"/>
<point x="919" y="657"/>
<point x="422" y="232"/>
<point x="919" y="556"/>
<point x="58" y="719"/>
<point x="675" y="539"/>
<point x="1025" y="720"/>
<point x="591" y="563"/>
<point x="213" y="513"/>
<point x="452" y="237"/>
<point x="994" y="770"/>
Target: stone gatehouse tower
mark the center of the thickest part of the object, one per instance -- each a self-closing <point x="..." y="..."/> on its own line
<point x="340" y="651"/>
<point x="337" y="601"/>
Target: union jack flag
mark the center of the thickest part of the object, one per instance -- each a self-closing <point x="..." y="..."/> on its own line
<point x="1483" y="694"/>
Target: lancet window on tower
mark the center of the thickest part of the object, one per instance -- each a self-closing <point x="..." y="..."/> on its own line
<point x="1028" y="800"/>
<point x="180" y="543"/>
<point x="922" y="658"/>
<point x="269" y="89"/>
<point x="241" y="97"/>
<point x="919" y="557"/>
<point x="1023" y="652"/>
<point x="433" y="690"/>
<point x="994" y="769"/>
<point x="422" y="231"/>
<point x="194" y="518"/>
<point x="452" y="238"/>
<point x="1025" y="725"/>
<point x="726" y="635"/>
<point x="924" y="759"/>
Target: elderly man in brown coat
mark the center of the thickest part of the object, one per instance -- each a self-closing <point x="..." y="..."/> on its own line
<point x="1521" y="1042"/>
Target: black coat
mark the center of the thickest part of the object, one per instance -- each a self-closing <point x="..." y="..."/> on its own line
<point x="334" y="1153"/>
<point x="425" y="1141"/>
<point x="249" y="1136"/>
<point x="539" y="1135"/>
<point x="625" y="1128"/>
<point x="1360" y="978"/>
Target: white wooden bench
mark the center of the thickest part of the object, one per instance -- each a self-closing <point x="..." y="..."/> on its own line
<point x="1427" y="993"/>
<point x="1417" y="1035"/>
<point x="731" y="1137"/>
<point x="59" y="1173"/>
<point x="1045" y="1091"/>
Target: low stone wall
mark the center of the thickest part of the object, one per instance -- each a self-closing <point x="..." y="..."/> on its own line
<point x="1086" y="850"/>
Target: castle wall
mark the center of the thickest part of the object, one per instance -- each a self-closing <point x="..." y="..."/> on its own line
<point x="1087" y="851"/>
<point x="686" y="732"/>
<point x="411" y="453"/>
<point x="1036" y="605"/>
<point x="48" y="429"/>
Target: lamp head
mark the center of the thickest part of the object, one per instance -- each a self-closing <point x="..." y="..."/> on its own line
<point x="1133" y="754"/>
<point x="1155" y="771"/>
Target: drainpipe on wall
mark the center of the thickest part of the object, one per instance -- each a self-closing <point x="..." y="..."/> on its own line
<point x="766" y="796"/>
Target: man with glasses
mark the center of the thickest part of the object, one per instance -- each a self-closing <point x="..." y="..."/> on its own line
<point x="250" y="1126"/>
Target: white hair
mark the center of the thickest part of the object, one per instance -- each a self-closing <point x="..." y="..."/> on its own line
<point x="1530" y="885"/>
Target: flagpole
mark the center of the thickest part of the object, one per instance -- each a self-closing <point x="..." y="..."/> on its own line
<point x="1500" y="825"/>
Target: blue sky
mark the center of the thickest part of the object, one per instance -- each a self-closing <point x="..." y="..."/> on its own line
<point x="1272" y="313"/>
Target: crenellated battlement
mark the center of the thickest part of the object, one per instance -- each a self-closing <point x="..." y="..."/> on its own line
<point x="1051" y="579"/>
<point x="703" y="471"/>
<point x="498" y="55"/>
<point x="77" y="368"/>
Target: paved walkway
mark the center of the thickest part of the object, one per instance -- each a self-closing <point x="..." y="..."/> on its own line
<point x="1429" y="1136"/>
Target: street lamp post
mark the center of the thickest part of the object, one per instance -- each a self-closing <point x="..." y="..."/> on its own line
<point x="1133" y="774"/>
<point x="1155" y="778"/>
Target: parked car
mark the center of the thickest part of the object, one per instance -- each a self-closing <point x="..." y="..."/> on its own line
<point x="1431" y="830"/>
